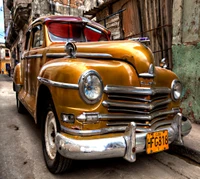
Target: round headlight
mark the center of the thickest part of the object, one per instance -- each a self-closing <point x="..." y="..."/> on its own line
<point x="90" y="87"/>
<point x="176" y="90"/>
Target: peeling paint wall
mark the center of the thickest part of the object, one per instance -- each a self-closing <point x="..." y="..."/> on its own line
<point x="186" y="54"/>
<point x="56" y="7"/>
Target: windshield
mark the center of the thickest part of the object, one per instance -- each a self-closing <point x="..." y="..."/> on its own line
<point x="78" y="32"/>
<point x="60" y="32"/>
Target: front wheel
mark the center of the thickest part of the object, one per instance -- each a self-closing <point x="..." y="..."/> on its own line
<point x="55" y="162"/>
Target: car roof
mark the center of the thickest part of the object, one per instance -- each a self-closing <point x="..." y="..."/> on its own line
<point x="46" y="19"/>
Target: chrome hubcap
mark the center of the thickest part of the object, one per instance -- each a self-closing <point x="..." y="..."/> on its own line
<point x="50" y="134"/>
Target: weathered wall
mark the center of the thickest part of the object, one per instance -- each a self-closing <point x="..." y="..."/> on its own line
<point x="7" y="15"/>
<point x="186" y="53"/>
<point x="57" y="7"/>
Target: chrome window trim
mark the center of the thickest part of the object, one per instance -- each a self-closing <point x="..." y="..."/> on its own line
<point x="35" y="56"/>
<point x="56" y="55"/>
<point x="58" y="84"/>
<point x="136" y="90"/>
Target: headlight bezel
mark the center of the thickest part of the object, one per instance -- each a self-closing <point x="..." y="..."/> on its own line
<point x="82" y="86"/>
<point x="173" y="90"/>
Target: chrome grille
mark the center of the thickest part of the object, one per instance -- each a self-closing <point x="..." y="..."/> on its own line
<point x="147" y="107"/>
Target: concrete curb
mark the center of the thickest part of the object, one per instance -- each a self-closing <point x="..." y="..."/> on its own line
<point x="187" y="152"/>
<point x="191" y="147"/>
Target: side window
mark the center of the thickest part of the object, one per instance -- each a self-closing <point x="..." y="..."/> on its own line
<point x="37" y="36"/>
<point x="93" y="34"/>
<point x="27" y="40"/>
<point x="7" y="54"/>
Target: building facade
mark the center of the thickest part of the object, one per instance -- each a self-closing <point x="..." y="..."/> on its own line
<point x="5" y="60"/>
<point x="20" y="13"/>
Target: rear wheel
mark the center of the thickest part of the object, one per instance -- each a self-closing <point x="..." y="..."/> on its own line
<point x="55" y="162"/>
<point x="20" y="107"/>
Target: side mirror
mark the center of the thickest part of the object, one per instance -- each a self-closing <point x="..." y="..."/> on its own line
<point x="163" y="63"/>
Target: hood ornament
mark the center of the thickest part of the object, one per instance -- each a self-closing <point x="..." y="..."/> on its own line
<point x="71" y="49"/>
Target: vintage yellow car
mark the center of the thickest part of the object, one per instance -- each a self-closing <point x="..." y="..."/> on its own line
<point x="95" y="98"/>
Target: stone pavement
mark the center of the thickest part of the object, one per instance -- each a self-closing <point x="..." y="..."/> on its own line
<point x="191" y="148"/>
<point x="4" y="77"/>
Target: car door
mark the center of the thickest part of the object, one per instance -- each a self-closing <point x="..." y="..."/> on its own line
<point x="34" y="62"/>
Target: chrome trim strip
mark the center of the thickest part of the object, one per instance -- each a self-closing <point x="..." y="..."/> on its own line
<point x="120" y="97"/>
<point x="94" y="55"/>
<point x="34" y="56"/>
<point x="56" y="55"/>
<point x="135" y="90"/>
<point x="92" y="132"/>
<point x="88" y="117"/>
<point x="122" y="123"/>
<point x="146" y="75"/>
<point x="82" y="117"/>
<point x="135" y="105"/>
<point x="80" y="55"/>
<point x="150" y="73"/>
<point x="57" y="84"/>
<point x="139" y="117"/>
<point x="128" y="97"/>
<point x="136" y="111"/>
<point x="112" y="129"/>
<point x="155" y="126"/>
<point x="93" y="29"/>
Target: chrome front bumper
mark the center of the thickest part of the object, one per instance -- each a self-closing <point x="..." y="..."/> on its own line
<point x="125" y="146"/>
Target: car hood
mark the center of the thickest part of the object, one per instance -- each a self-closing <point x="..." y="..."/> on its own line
<point x="133" y="52"/>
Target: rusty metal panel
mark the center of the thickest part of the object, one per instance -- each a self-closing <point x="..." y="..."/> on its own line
<point x="151" y="18"/>
<point x="131" y="20"/>
<point x="113" y="24"/>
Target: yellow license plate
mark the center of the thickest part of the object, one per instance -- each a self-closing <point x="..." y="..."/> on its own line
<point x="157" y="141"/>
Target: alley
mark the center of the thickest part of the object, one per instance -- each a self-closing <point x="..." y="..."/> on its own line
<point x="21" y="152"/>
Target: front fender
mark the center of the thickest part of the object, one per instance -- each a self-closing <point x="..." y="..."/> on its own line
<point x="17" y="77"/>
<point x="62" y="77"/>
